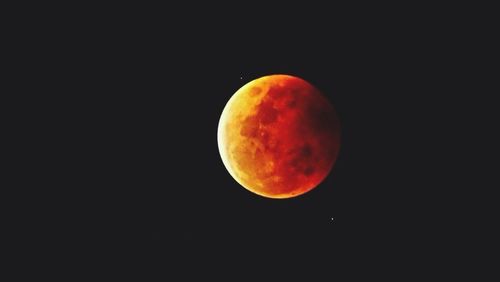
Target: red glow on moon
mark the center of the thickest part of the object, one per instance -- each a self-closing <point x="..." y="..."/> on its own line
<point x="278" y="136"/>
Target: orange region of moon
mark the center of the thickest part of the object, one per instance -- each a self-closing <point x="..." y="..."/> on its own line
<point x="278" y="136"/>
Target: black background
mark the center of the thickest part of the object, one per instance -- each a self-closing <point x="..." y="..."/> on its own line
<point x="136" y="109"/>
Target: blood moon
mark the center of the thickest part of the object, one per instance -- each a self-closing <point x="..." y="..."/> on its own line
<point x="278" y="136"/>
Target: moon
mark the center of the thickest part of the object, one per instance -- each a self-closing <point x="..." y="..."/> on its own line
<point x="278" y="136"/>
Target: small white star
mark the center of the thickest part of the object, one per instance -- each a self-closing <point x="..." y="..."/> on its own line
<point x="241" y="77"/>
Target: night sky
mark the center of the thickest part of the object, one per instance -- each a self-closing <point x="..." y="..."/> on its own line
<point x="165" y="187"/>
<point x="150" y="186"/>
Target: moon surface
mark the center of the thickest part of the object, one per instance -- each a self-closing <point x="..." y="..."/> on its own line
<point x="278" y="136"/>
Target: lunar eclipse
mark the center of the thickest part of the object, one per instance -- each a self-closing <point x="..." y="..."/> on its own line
<point x="278" y="136"/>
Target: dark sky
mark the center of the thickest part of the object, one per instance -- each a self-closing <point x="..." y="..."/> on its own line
<point x="159" y="176"/>
<point x="149" y="184"/>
